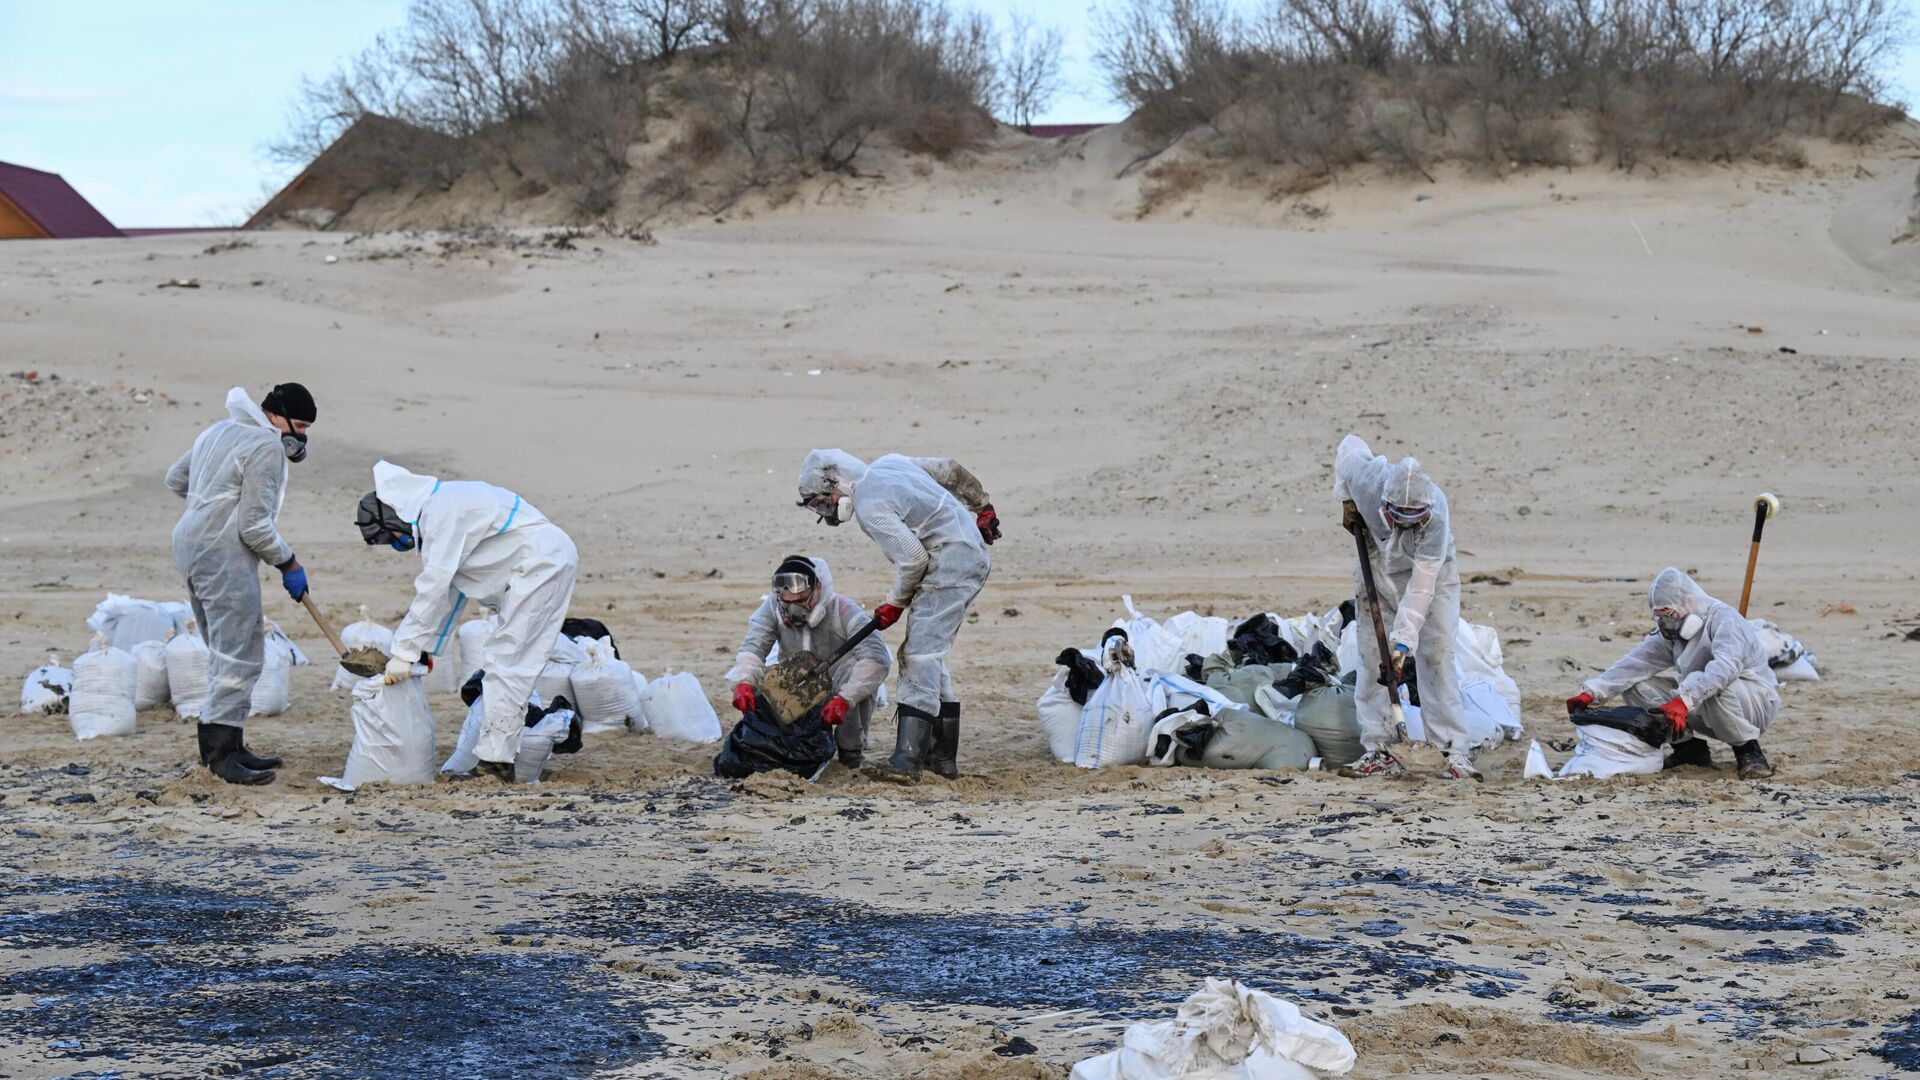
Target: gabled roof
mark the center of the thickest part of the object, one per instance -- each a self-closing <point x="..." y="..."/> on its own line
<point x="52" y="204"/>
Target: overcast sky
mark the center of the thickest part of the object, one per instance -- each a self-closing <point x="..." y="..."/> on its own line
<point x="156" y="112"/>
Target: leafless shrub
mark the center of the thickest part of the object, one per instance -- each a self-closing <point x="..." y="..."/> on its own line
<point x="1029" y="70"/>
<point x="1404" y="83"/>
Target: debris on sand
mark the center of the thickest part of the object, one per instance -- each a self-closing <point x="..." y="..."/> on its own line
<point x="365" y="661"/>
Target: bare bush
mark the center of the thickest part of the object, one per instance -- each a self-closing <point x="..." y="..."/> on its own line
<point x="1404" y="83"/>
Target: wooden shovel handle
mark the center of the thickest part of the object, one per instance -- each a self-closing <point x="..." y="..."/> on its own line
<point x="325" y="627"/>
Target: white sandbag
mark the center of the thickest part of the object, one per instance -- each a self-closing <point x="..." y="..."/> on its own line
<point x="1480" y="660"/>
<point x="463" y="759"/>
<point x="554" y="682"/>
<point x="1154" y="647"/>
<point x="568" y="651"/>
<point x="536" y="745"/>
<point x="128" y="622"/>
<point x="1202" y="634"/>
<point x="392" y="735"/>
<point x="1303" y="632"/>
<point x="44" y="691"/>
<point x="1225" y="1031"/>
<point x="1790" y="660"/>
<point x="1537" y="767"/>
<point x="187" y="679"/>
<point x="104" y="681"/>
<point x="677" y="708"/>
<point x="603" y="686"/>
<point x="150" y="675"/>
<point x="1116" y="724"/>
<point x="1604" y="751"/>
<point x="1347" y="653"/>
<point x="473" y="636"/>
<point x="363" y="634"/>
<point x="640" y="721"/>
<point x="272" y="690"/>
<point x="1166" y="690"/>
<point x="1059" y="717"/>
<point x="1484" y="716"/>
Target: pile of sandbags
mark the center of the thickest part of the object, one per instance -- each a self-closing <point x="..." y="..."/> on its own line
<point x="104" y="682"/>
<point x="1225" y="1031"/>
<point x="555" y="681"/>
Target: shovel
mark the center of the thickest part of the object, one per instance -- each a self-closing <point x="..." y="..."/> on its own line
<point x="365" y="662"/>
<point x="1766" y="506"/>
<point x="1427" y="758"/>
<point x="802" y="682"/>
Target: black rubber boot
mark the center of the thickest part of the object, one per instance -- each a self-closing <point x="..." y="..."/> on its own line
<point x="914" y="732"/>
<point x="1694" y="751"/>
<point x="943" y="756"/>
<point x="497" y="770"/>
<point x="252" y="760"/>
<point x="1752" y="763"/>
<point x="219" y="751"/>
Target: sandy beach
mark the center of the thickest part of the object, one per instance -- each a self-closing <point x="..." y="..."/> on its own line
<point x="1602" y="371"/>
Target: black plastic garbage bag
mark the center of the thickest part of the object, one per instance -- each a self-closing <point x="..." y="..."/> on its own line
<point x="1409" y="678"/>
<point x="1258" y="641"/>
<point x="1083" y="675"/>
<point x="1195" y="667"/>
<point x="1650" y="726"/>
<point x="1307" y="674"/>
<point x="758" y="744"/>
<point x="590" y="628"/>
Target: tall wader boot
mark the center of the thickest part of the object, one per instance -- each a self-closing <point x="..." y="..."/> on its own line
<point x="220" y="749"/>
<point x="245" y="757"/>
<point x="914" y="733"/>
<point x="943" y="757"/>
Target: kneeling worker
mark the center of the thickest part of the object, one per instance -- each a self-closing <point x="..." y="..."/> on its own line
<point x="803" y="613"/>
<point x="482" y="543"/>
<point x="1724" y="687"/>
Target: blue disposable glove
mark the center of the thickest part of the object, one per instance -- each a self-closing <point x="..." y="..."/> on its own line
<point x="1403" y="650"/>
<point x="294" y="577"/>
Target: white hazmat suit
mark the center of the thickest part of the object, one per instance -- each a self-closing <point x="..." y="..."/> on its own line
<point x="1418" y="577"/>
<point x="940" y="563"/>
<point x="234" y="480"/>
<point x="1719" y="669"/>
<point x="831" y="619"/>
<point x="483" y="543"/>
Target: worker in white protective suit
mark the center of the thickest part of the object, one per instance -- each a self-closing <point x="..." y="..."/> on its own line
<point x="1704" y="668"/>
<point x="933" y="521"/>
<point x="481" y="543"/>
<point x="803" y="613"/>
<point x="1404" y="514"/>
<point x="234" y="480"/>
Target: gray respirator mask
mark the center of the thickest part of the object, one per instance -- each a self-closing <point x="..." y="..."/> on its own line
<point x="294" y="445"/>
<point x="1682" y="628"/>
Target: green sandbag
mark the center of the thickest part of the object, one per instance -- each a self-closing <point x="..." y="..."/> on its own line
<point x="1240" y="684"/>
<point x="1218" y="664"/>
<point x="1246" y="740"/>
<point x="1326" y="714"/>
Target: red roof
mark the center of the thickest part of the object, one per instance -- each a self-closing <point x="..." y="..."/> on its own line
<point x="52" y="203"/>
<point x="1061" y="131"/>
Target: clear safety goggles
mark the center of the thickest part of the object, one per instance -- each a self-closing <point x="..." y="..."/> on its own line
<point x="1407" y="516"/>
<point x="792" y="586"/>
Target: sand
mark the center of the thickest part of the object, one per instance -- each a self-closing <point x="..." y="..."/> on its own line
<point x="1602" y="371"/>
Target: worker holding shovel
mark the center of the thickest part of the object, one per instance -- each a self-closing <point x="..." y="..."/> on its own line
<point x="932" y="520"/>
<point x="805" y="617"/>
<point x="234" y="480"/>
<point x="1410" y="562"/>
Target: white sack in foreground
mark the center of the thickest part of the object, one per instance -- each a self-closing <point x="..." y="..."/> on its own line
<point x="1225" y="1031"/>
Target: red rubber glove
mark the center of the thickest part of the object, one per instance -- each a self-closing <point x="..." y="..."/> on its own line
<point x="834" y="711"/>
<point x="743" y="696"/>
<point x="1676" y="713"/>
<point x="427" y="659"/>
<point x="888" y="614"/>
<point x="989" y="523"/>
<point x="1579" y="702"/>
